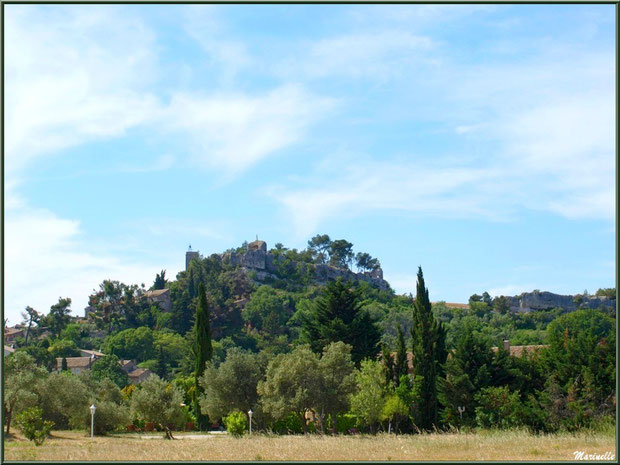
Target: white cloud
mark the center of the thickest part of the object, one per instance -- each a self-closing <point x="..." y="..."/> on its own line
<point x="380" y="55"/>
<point x="415" y="187"/>
<point x="64" y="86"/>
<point x="235" y="131"/>
<point x="47" y="257"/>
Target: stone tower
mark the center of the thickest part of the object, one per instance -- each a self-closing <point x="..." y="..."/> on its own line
<point x="189" y="256"/>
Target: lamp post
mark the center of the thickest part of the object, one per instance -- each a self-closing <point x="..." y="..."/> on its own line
<point x="461" y="410"/>
<point x="250" y="415"/>
<point x="92" y="421"/>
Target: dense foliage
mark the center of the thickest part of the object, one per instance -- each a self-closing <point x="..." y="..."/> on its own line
<point x="310" y="356"/>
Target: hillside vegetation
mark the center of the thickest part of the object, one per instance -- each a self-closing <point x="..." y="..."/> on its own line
<point x="314" y="351"/>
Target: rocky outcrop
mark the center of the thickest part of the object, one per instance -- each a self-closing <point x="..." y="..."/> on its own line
<point x="266" y="265"/>
<point x="536" y="300"/>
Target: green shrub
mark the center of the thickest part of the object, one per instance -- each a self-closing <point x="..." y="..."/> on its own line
<point x="236" y="424"/>
<point x="31" y="422"/>
<point x="290" y="424"/>
<point x="499" y="408"/>
<point x="109" y="417"/>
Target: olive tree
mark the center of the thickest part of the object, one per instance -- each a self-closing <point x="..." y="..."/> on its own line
<point x="159" y="402"/>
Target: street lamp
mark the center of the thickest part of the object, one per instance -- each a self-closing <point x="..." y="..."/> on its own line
<point x="92" y="421"/>
<point x="250" y="415"/>
<point x="461" y="410"/>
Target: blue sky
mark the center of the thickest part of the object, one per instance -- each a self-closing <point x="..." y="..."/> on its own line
<point x="474" y="140"/>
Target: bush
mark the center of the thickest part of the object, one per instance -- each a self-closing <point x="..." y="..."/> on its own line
<point x="31" y="422"/>
<point x="499" y="408"/>
<point x="108" y="417"/>
<point x="290" y="424"/>
<point x="236" y="424"/>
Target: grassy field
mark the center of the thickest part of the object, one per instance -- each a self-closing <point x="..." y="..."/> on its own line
<point x="514" y="445"/>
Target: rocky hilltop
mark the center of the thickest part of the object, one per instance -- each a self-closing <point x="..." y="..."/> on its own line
<point x="266" y="265"/>
<point x="537" y="300"/>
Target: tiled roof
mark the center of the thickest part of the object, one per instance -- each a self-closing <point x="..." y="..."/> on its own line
<point x="157" y="292"/>
<point x="138" y="372"/>
<point x="75" y="362"/>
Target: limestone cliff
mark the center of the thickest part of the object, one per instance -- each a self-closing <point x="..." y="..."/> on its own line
<point x="265" y="265"/>
<point x="537" y="300"/>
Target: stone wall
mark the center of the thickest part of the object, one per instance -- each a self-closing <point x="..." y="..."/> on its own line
<point x="536" y="300"/>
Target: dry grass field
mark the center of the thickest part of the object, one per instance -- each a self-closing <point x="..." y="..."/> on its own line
<point x="515" y="445"/>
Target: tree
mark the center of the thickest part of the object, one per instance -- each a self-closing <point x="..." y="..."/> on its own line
<point x="338" y="316"/>
<point x="58" y="317"/>
<point x="388" y="366"/>
<point x="365" y="262"/>
<point x="20" y="374"/>
<point x="320" y="246"/>
<point x="233" y="385"/>
<point x="291" y="384"/>
<point x="401" y="366"/>
<point x="33" y="426"/>
<point x="395" y="410"/>
<point x="63" y="348"/>
<point x="132" y="343"/>
<point x="428" y="339"/>
<point x="108" y="367"/>
<point x="30" y="316"/>
<point x="63" y="366"/>
<point x="336" y="382"/>
<point x="467" y="371"/>
<point x="158" y="402"/>
<point x="341" y="253"/>
<point x="202" y="348"/>
<point x="369" y="400"/>
<point x="500" y="305"/>
<point x="63" y="397"/>
<point x="160" y="281"/>
<point x="107" y="304"/>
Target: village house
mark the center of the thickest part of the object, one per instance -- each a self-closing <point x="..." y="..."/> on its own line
<point x="10" y="334"/>
<point x="160" y="297"/>
<point x="8" y="350"/>
<point x="75" y="365"/>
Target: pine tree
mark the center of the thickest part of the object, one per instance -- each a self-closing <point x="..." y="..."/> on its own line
<point x="202" y="349"/>
<point x="338" y="316"/>
<point x="401" y="367"/>
<point x="427" y="341"/>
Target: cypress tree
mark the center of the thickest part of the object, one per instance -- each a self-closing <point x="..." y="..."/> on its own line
<point x="202" y="349"/>
<point x="63" y="366"/>
<point x="401" y="368"/>
<point x="428" y="350"/>
<point x="388" y="366"/>
<point x="162" y="368"/>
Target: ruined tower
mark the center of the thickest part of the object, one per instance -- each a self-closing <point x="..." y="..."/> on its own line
<point x="189" y="256"/>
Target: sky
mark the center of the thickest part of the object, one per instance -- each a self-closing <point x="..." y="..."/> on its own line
<point x="475" y="141"/>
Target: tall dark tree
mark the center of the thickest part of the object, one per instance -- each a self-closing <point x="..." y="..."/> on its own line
<point x="388" y="366"/>
<point x="202" y="349"/>
<point x="341" y="253"/>
<point x="401" y="367"/>
<point x="30" y="316"/>
<point x="160" y="280"/>
<point x="338" y="316"/>
<point x="58" y="317"/>
<point x="320" y="245"/>
<point x="427" y="337"/>
<point x="63" y="365"/>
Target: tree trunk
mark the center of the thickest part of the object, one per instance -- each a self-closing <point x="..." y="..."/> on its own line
<point x="304" y="423"/>
<point x="168" y="432"/>
<point x="334" y="423"/>
<point x="9" y="415"/>
<point x="28" y="332"/>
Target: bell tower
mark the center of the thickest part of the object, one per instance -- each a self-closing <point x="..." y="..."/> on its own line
<point x="190" y="255"/>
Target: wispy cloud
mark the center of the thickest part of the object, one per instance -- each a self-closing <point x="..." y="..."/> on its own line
<point x="49" y="257"/>
<point x="235" y="131"/>
<point x="64" y="87"/>
<point x="379" y="55"/>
